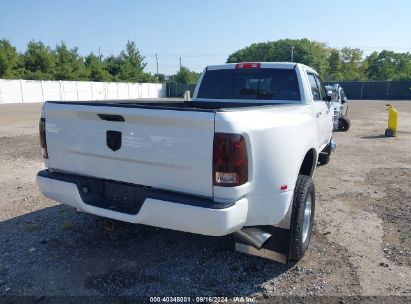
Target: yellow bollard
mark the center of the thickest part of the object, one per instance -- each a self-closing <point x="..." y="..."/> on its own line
<point x="392" y="121"/>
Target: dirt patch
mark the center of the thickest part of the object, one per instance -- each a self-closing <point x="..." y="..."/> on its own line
<point x="20" y="148"/>
<point x="395" y="211"/>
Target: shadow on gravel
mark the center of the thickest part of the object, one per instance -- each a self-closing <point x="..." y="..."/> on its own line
<point x="56" y="251"/>
<point x="374" y="137"/>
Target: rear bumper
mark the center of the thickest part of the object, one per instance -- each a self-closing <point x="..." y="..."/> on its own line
<point x="159" y="208"/>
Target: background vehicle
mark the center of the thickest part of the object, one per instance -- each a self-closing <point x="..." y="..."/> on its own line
<point x="339" y="104"/>
<point x="241" y="154"/>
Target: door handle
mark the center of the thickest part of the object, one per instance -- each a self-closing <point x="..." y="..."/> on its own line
<point x="319" y="114"/>
<point x="111" y="117"/>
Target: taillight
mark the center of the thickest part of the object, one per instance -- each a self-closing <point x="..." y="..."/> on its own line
<point x="43" y="143"/>
<point x="230" y="160"/>
<point x="250" y="65"/>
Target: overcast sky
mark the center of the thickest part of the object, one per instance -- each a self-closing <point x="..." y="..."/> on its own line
<point x="204" y="32"/>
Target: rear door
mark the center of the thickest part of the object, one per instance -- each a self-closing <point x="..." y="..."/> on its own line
<point x="166" y="149"/>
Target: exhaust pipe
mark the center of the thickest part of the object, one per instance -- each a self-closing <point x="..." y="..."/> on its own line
<point x="253" y="236"/>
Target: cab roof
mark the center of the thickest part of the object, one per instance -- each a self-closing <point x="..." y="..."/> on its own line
<point x="277" y="65"/>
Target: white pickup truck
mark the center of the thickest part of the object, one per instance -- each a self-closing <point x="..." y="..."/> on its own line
<point x="241" y="154"/>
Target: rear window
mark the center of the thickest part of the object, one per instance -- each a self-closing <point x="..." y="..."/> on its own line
<point x="259" y="84"/>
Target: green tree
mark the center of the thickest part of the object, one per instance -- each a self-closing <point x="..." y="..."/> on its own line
<point x="184" y="75"/>
<point x="69" y="64"/>
<point x="10" y="61"/>
<point x="160" y="77"/>
<point x="388" y="65"/>
<point x="334" y="65"/>
<point x="312" y="53"/>
<point x="112" y="64"/>
<point x="38" y="61"/>
<point x="96" y="68"/>
<point x="131" y="64"/>
<point x="352" y="64"/>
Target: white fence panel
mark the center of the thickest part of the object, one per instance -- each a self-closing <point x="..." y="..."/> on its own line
<point x="99" y="90"/>
<point x="144" y="90"/>
<point x="69" y="90"/>
<point x="140" y="90"/>
<point x="52" y="90"/>
<point x="22" y="91"/>
<point x="10" y="91"/>
<point x="32" y="91"/>
<point x="154" y="90"/>
<point x="122" y="90"/>
<point x="133" y="90"/>
<point x="162" y="90"/>
<point x="112" y="90"/>
<point x="84" y="90"/>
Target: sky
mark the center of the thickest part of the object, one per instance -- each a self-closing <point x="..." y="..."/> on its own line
<point x="203" y="32"/>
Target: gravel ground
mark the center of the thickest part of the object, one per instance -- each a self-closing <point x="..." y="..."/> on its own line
<point x="360" y="247"/>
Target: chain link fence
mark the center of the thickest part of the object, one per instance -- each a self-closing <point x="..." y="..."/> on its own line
<point x="400" y="90"/>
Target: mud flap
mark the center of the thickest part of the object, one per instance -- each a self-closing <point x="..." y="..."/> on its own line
<point x="277" y="248"/>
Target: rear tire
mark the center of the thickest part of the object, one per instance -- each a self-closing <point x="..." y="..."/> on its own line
<point x="344" y="124"/>
<point x="302" y="216"/>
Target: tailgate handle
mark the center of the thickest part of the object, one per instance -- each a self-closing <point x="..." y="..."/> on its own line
<point x="111" y="117"/>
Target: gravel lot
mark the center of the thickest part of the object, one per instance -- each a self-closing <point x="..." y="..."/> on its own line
<point x="361" y="244"/>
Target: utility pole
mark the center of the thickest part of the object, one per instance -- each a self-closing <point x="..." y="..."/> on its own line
<point x="292" y="53"/>
<point x="180" y="62"/>
<point x="99" y="53"/>
<point x="157" y="63"/>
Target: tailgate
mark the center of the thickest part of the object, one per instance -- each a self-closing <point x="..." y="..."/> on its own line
<point x="162" y="148"/>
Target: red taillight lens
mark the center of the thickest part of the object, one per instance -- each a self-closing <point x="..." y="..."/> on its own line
<point x="43" y="143"/>
<point x="230" y="160"/>
<point x="250" y="65"/>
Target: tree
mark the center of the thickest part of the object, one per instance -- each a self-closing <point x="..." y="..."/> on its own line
<point x="352" y="64"/>
<point x="69" y="64"/>
<point x="96" y="68"/>
<point x="160" y="77"/>
<point x="312" y="53"/>
<point x="388" y="65"/>
<point x="10" y="60"/>
<point x="112" y="64"/>
<point x="186" y="76"/>
<point x="38" y="61"/>
<point x="334" y="65"/>
<point x="131" y="64"/>
<point x="128" y="66"/>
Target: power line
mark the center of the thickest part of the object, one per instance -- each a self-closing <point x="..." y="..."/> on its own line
<point x="187" y="55"/>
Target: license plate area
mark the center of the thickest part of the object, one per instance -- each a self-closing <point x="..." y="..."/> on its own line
<point x="115" y="196"/>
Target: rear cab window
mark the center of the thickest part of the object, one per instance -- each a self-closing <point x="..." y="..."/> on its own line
<point x="262" y="84"/>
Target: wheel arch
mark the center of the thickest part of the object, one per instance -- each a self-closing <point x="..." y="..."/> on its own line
<point x="309" y="163"/>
